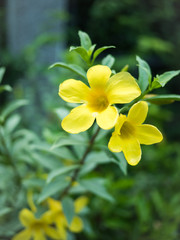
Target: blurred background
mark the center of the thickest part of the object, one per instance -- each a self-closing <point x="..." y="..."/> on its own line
<point x="36" y="33"/>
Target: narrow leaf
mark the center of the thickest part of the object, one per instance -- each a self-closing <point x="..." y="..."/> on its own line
<point x="144" y="74"/>
<point x="52" y="188"/>
<point x="85" y="40"/>
<point x="5" y="88"/>
<point x="120" y="161"/>
<point x="61" y="171"/>
<point x="163" y="79"/>
<point x="81" y="51"/>
<point x="108" y="60"/>
<point x="96" y="186"/>
<point x="72" y="67"/>
<point x="68" y="209"/>
<point x="100" y="50"/>
<point x="162" y="99"/>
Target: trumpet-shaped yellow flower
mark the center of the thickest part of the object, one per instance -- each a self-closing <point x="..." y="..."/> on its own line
<point x="97" y="99"/>
<point x="60" y="219"/>
<point x="36" y="229"/>
<point x="130" y="133"/>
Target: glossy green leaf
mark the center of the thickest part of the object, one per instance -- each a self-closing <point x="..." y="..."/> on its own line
<point x="100" y="50"/>
<point x="68" y="209"/>
<point x="85" y="40"/>
<point x="163" y="79"/>
<point x="144" y="74"/>
<point x="57" y="172"/>
<point x="68" y="142"/>
<point x="119" y="159"/>
<point x="96" y="186"/>
<point x="108" y="60"/>
<point x="81" y="51"/>
<point x="2" y="71"/>
<point x="72" y="67"/>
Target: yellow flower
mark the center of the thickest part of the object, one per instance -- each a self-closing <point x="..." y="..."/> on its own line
<point x="130" y="133"/>
<point x="36" y="229"/>
<point x="97" y="100"/>
<point x="60" y="219"/>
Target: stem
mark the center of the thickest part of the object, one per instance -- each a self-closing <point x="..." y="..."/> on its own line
<point x="81" y="162"/>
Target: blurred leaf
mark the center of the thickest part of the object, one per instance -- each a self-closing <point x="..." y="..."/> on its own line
<point x="108" y="60"/>
<point x="163" y="79"/>
<point x="12" y="122"/>
<point x="5" y="211"/>
<point x="5" y="88"/>
<point x="100" y="50"/>
<point x="162" y="99"/>
<point x="12" y="107"/>
<point x="144" y="74"/>
<point x="52" y="188"/>
<point x="120" y="161"/>
<point x="81" y="51"/>
<point x="72" y="67"/>
<point x="57" y="172"/>
<point x="125" y="68"/>
<point x="68" y="141"/>
<point x="2" y="71"/>
<point x="85" y="40"/>
<point x="96" y="186"/>
<point x="68" y="209"/>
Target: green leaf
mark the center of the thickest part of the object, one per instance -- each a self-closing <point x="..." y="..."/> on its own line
<point x="144" y="74"/>
<point x="163" y="79"/>
<point x="163" y="99"/>
<point x="81" y="51"/>
<point x="5" y="88"/>
<point x="57" y="172"/>
<point x="5" y="211"/>
<point x="120" y="161"/>
<point x="2" y="71"/>
<point x="72" y="67"/>
<point x="12" y="122"/>
<point x="68" y="142"/>
<point x="85" y="40"/>
<point x="100" y="50"/>
<point x="108" y="60"/>
<point x="68" y="209"/>
<point x="51" y="188"/>
<point x="96" y="186"/>
<point x="12" y="107"/>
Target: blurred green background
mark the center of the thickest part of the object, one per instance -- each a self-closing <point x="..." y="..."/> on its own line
<point x="148" y="198"/>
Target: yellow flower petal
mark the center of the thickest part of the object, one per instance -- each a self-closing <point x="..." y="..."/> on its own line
<point x="148" y="134"/>
<point x="54" y="205"/>
<point x="61" y="225"/>
<point x="98" y="76"/>
<point x="138" y="112"/>
<point x="121" y="119"/>
<point x="25" y="234"/>
<point x="73" y="91"/>
<point x="80" y="203"/>
<point x="48" y="217"/>
<point x="26" y="217"/>
<point x="132" y="150"/>
<point x="122" y="88"/>
<point x="115" y="143"/>
<point x="39" y="235"/>
<point x="79" y="120"/>
<point x="76" y="225"/>
<point x="52" y="233"/>
<point x="108" y="118"/>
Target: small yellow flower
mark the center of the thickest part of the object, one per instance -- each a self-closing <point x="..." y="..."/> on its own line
<point x="60" y="219"/>
<point x="97" y="100"/>
<point x="130" y="133"/>
<point x="36" y="229"/>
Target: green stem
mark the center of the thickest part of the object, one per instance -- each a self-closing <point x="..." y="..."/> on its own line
<point x="81" y="162"/>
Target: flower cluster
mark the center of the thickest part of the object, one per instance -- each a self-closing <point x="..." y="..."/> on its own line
<point x="39" y="228"/>
<point x="97" y="102"/>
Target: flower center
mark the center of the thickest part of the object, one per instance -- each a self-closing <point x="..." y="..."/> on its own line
<point x="38" y="225"/>
<point x="127" y="130"/>
<point x="97" y="101"/>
